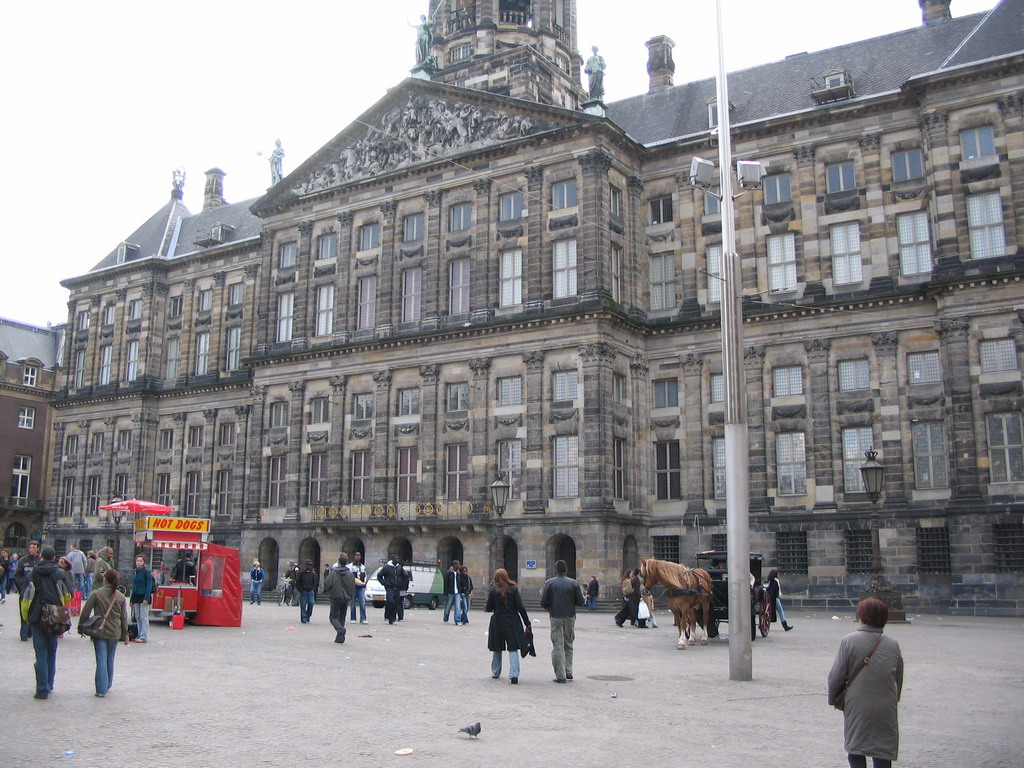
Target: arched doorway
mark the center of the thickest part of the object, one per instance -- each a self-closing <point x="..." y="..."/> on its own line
<point x="268" y="554"/>
<point x="402" y="547"/>
<point x="505" y="554"/>
<point x="16" y="537"/>
<point x="561" y="547"/>
<point x="309" y="549"/>
<point x="630" y="554"/>
<point x="449" y="548"/>
<point x="353" y="545"/>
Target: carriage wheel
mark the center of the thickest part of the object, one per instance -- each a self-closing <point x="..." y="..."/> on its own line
<point x="766" y="617"/>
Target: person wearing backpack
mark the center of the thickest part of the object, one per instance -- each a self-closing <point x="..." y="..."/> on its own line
<point x="43" y="583"/>
<point x="22" y="575"/>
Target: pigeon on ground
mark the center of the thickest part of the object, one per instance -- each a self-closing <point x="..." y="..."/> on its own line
<point x="472" y="730"/>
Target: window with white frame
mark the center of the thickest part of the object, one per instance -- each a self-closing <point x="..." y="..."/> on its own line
<point x="564" y="266"/>
<point x="998" y="355"/>
<point x="714" y="274"/>
<point x="985" y="225"/>
<point x="660" y="210"/>
<point x="67" y="503"/>
<point x="460" y="217"/>
<point x="79" y="369"/>
<point x="931" y="460"/>
<point x="846" y="259"/>
<point x="325" y="310"/>
<point x="233" y="349"/>
<point x="663" y="281"/>
<point x="777" y="188"/>
<point x="278" y="414"/>
<point x="131" y="360"/>
<point x="839" y="177"/>
<point x="718" y="468"/>
<point x="923" y="368"/>
<point x="717" y="388"/>
<point x="221" y="501"/>
<point x="226" y="432"/>
<point x="366" y="315"/>
<point x="369" y="236"/>
<point x="615" y="201"/>
<point x="854" y="374"/>
<point x="71" y="446"/>
<point x="317" y="488"/>
<point x="620" y="391"/>
<point x="173" y="352"/>
<point x="26" y="417"/>
<point x="1005" y="448"/>
<point x="196" y="433"/>
<point x="567" y="466"/>
<point x="124" y="439"/>
<point x="205" y="300"/>
<point x="510" y="462"/>
<point x="82" y="321"/>
<point x="457" y="396"/>
<point x="108" y="314"/>
<point x="791" y="463"/>
<point x="412" y="228"/>
<point x="511" y="278"/>
<point x="856" y="441"/>
<point x="276" y="480"/>
<point x="510" y="390"/>
<point x="21" y="480"/>
<point x="456" y="472"/>
<point x="563" y="194"/>
<point x="163" y="489"/>
<point x="202" y="353"/>
<point x="409" y="401"/>
<point x="977" y="142"/>
<point x="408" y="473"/>
<point x="135" y="309"/>
<point x="412" y="294"/>
<point x="285" y="316"/>
<point x="106" y="359"/>
<point x="95" y="493"/>
<point x="166" y="439"/>
<point x="781" y="262"/>
<point x="98" y="441"/>
<point x="615" y="271"/>
<point x="327" y="248"/>
<point x="565" y="385"/>
<point x="458" y="286"/>
<point x="907" y="164"/>
<point x="287" y="255"/>
<point x="510" y="206"/>
<point x="193" y="492"/>
<point x="787" y="380"/>
<point x="914" y="243"/>
<point x="618" y="468"/>
<point x="174" y="306"/>
<point x="668" y="473"/>
<point x="319" y="410"/>
<point x="362" y="405"/>
<point x="236" y="294"/>
<point x="666" y="393"/>
<point x="362" y="477"/>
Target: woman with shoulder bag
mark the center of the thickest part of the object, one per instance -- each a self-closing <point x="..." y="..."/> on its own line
<point x="865" y="683"/>
<point x="105" y="600"/>
<point x="509" y="628"/>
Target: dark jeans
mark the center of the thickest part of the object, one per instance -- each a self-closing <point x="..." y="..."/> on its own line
<point x="392" y="604"/>
<point x="306" y="600"/>
<point x="860" y="761"/>
<point x="46" y="658"/>
<point x="338" y="610"/>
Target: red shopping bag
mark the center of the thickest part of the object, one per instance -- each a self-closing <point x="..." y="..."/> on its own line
<point x="75" y="605"/>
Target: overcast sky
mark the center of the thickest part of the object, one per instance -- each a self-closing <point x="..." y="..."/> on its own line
<point x="104" y="100"/>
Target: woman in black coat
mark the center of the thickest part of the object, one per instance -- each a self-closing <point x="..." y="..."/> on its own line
<point x="630" y="596"/>
<point x="510" y="625"/>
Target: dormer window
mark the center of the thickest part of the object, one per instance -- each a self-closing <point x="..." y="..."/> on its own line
<point x="218" y="233"/>
<point x="712" y="114"/>
<point x="836" y="86"/>
<point x="126" y="251"/>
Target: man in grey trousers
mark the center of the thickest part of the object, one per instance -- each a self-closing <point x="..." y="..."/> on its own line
<point x="559" y="598"/>
<point x="340" y="584"/>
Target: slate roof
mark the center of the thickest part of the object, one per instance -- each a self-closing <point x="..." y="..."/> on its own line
<point x="20" y="341"/>
<point x="173" y="230"/>
<point x="877" y="65"/>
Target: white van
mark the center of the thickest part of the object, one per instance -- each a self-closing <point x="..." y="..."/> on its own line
<point x="425" y="588"/>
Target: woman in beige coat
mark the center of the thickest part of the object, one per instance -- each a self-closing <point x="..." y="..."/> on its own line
<point x="871" y="725"/>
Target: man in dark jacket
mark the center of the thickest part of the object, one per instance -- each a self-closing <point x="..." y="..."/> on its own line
<point x="450" y="581"/>
<point x="559" y="598"/>
<point x="391" y="577"/>
<point x="593" y="589"/>
<point x="44" y="578"/>
<point x="26" y="563"/>
<point x="307" y="584"/>
<point x="340" y="585"/>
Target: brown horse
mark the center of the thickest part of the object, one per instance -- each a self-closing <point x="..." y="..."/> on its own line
<point x="686" y="589"/>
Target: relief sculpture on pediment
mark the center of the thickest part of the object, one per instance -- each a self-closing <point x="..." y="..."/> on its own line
<point x="421" y="130"/>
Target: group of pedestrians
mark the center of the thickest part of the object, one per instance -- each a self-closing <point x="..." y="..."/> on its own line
<point x="458" y="591"/>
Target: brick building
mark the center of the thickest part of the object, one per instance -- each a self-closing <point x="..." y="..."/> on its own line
<point x="491" y="270"/>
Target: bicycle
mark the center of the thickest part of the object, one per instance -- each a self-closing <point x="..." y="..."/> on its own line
<point x="286" y="593"/>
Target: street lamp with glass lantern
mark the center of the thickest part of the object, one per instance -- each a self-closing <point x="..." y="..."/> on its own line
<point x="116" y="516"/>
<point x="873" y="474"/>
<point x="499" y="494"/>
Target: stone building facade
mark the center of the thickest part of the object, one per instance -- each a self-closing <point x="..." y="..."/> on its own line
<point x="478" y="277"/>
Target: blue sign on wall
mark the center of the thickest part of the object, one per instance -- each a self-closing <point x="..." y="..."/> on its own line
<point x="531" y="563"/>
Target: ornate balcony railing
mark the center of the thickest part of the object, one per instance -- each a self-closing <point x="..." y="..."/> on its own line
<point x="21" y="502"/>
<point x="402" y="512"/>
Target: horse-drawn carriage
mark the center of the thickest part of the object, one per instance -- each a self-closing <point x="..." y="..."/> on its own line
<point x="714" y="562"/>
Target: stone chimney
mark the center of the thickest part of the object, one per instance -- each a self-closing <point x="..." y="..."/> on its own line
<point x="933" y="11"/>
<point x="660" y="66"/>
<point x="213" y="195"/>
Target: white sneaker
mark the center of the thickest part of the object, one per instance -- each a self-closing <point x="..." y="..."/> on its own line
<point x="364" y="622"/>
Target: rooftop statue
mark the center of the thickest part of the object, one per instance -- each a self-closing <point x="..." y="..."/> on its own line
<point x="276" y="172"/>
<point x="595" y="69"/>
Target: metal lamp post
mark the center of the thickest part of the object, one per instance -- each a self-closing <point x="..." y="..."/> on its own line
<point x="499" y="494"/>
<point x="116" y="516"/>
<point x="873" y="475"/>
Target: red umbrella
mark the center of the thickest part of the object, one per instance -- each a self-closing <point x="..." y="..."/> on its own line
<point x="138" y="507"/>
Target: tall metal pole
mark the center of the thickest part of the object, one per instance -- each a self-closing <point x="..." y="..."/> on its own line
<point x="736" y="448"/>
